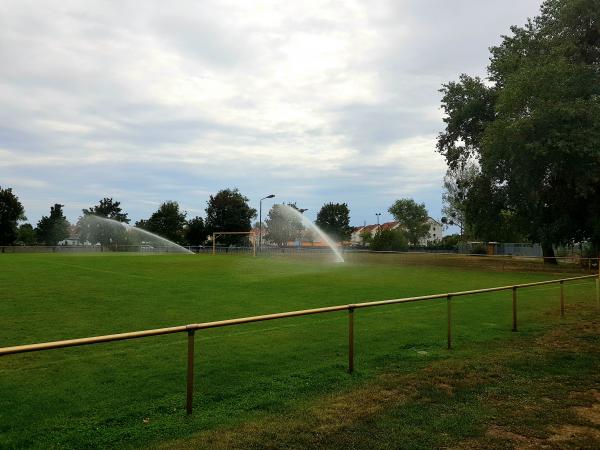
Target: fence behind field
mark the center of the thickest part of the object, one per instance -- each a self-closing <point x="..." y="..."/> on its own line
<point x="350" y="308"/>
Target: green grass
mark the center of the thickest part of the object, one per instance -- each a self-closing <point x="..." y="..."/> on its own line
<point x="132" y="393"/>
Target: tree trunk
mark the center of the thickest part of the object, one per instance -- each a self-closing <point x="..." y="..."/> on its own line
<point x="548" y="253"/>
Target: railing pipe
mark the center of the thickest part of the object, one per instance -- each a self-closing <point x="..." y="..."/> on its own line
<point x="238" y="321"/>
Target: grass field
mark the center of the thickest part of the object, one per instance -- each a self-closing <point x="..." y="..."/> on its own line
<point x="132" y="393"/>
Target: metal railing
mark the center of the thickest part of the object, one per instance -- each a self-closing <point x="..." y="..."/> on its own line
<point x="191" y="328"/>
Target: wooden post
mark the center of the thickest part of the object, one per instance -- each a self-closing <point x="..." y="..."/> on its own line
<point x="514" y="307"/>
<point x="562" y="299"/>
<point x="214" y="239"/>
<point x="449" y="303"/>
<point x="350" y="340"/>
<point x="190" y="372"/>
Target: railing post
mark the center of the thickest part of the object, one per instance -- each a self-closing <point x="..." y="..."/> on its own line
<point x="514" y="307"/>
<point x="449" y="303"/>
<point x="190" y="372"/>
<point x="562" y="299"/>
<point x="350" y="340"/>
<point x="598" y="293"/>
<point x="598" y="285"/>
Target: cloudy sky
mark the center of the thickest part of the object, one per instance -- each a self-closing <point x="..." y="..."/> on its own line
<point x="314" y="101"/>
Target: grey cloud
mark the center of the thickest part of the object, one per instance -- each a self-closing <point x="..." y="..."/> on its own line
<point x="148" y="101"/>
<point x="370" y="127"/>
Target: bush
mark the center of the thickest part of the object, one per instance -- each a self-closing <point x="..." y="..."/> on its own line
<point x="389" y="240"/>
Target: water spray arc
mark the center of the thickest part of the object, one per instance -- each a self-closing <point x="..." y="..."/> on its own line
<point x="144" y="239"/>
<point x="292" y="212"/>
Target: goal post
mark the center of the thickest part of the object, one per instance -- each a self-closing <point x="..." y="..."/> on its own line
<point x="251" y="234"/>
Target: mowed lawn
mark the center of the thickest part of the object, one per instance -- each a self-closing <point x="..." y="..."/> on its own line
<point x="132" y="393"/>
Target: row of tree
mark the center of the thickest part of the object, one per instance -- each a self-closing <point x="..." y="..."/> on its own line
<point x="523" y="146"/>
<point x="228" y="210"/>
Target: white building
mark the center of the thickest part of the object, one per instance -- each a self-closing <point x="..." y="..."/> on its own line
<point x="434" y="234"/>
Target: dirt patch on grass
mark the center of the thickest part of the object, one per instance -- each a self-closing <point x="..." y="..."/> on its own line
<point x="578" y="336"/>
<point x="518" y="441"/>
<point x="576" y="436"/>
<point x="330" y="415"/>
<point x="490" y="399"/>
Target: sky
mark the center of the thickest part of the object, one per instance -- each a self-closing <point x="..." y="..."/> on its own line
<point x="313" y="101"/>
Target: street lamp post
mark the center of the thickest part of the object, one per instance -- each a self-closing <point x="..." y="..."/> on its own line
<point x="377" y="214"/>
<point x="260" y="221"/>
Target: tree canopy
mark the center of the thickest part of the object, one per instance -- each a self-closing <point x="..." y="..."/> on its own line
<point x="228" y="210"/>
<point x="26" y="235"/>
<point x="457" y="183"/>
<point x="534" y="129"/>
<point x="195" y="231"/>
<point x="53" y="228"/>
<point x="282" y="227"/>
<point x="334" y="219"/>
<point x="412" y="217"/>
<point x="108" y="208"/>
<point x="389" y="240"/>
<point x="11" y="212"/>
<point x="168" y="221"/>
<point x="97" y="231"/>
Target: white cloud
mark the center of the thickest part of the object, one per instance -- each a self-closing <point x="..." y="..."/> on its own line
<point x="316" y="101"/>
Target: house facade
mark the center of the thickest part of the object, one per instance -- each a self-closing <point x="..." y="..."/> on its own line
<point x="434" y="234"/>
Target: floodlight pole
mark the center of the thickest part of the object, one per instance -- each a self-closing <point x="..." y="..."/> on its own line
<point x="378" y="214"/>
<point x="260" y="221"/>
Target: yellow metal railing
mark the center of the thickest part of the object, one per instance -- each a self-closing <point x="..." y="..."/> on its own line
<point x="191" y="328"/>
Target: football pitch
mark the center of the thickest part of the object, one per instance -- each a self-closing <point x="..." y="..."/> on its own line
<point x="132" y="393"/>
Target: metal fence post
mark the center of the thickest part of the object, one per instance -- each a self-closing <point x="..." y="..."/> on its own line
<point x="449" y="303"/>
<point x="562" y="299"/>
<point x="190" y="372"/>
<point x="514" y="307"/>
<point x="350" y="340"/>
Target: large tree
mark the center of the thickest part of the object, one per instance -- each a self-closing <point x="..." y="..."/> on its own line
<point x="168" y="221"/>
<point x="53" y="228"/>
<point x="11" y="212"/>
<point x="195" y="231"/>
<point x="110" y="209"/>
<point x="457" y="183"/>
<point x="334" y="219"/>
<point x="283" y="227"/>
<point x="389" y="240"/>
<point x="26" y="235"/>
<point x="228" y="210"/>
<point x="412" y="217"/>
<point x="100" y="231"/>
<point x="534" y="128"/>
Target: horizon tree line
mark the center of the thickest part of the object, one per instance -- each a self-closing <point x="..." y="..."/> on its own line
<point x="227" y="210"/>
